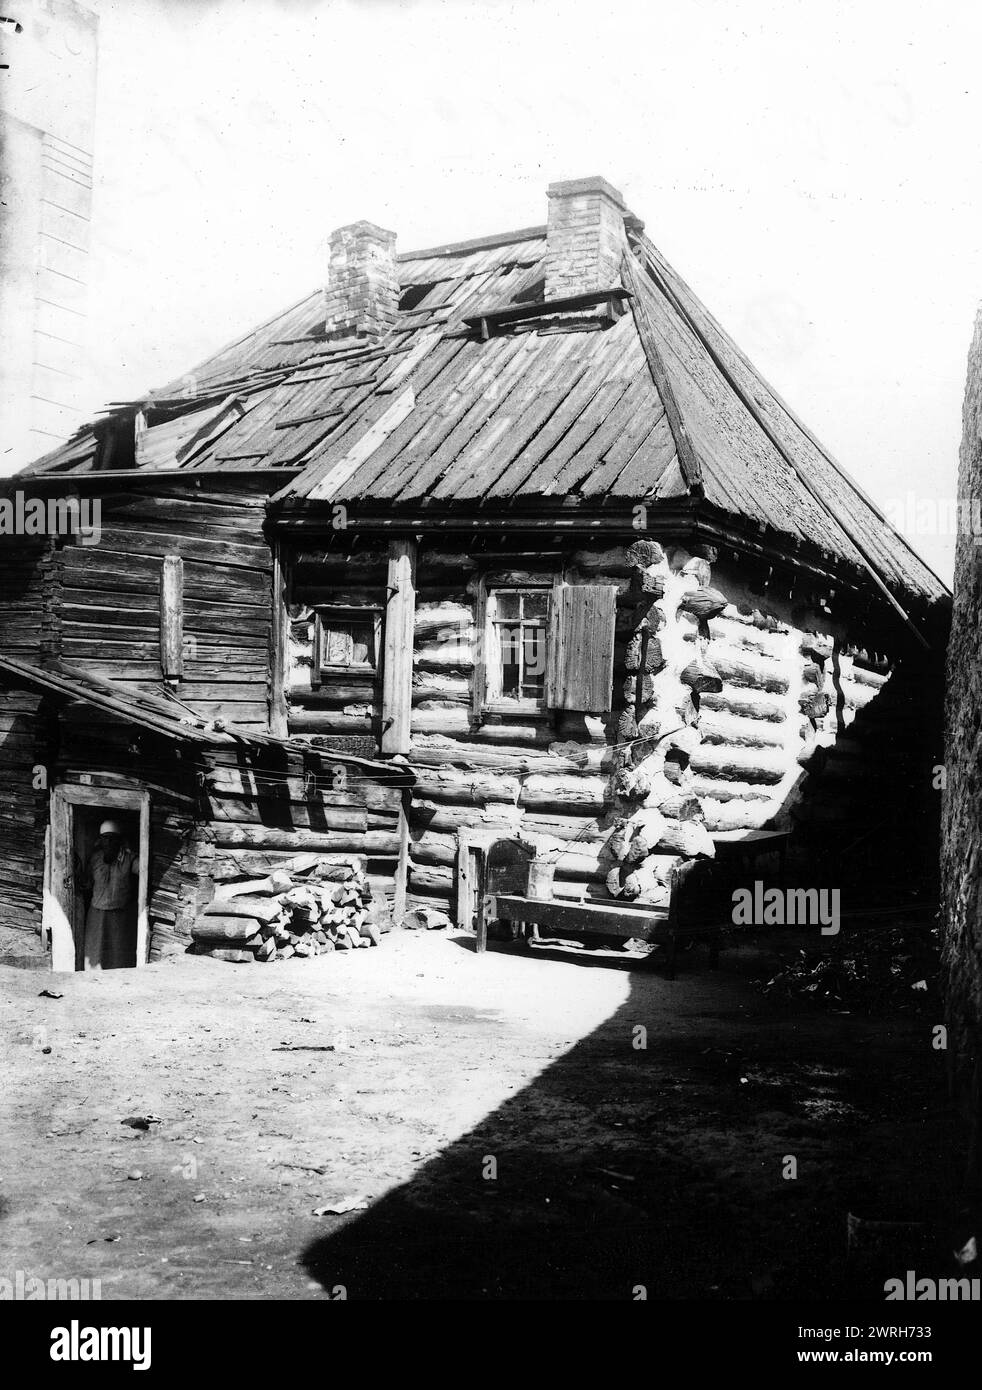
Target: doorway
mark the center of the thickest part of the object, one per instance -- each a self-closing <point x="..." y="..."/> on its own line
<point x="118" y="938"/>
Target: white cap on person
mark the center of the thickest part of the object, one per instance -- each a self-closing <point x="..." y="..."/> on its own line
<point x="110" y="827"/>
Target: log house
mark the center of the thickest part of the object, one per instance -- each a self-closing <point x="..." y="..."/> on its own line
<point x="505" y="537"/>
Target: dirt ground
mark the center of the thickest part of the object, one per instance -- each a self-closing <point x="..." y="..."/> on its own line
<point x="498" y="1116"/>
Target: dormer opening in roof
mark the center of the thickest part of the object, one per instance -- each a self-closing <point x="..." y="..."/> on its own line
<point x="585" y="238"/>
<point x="361" y="299"/>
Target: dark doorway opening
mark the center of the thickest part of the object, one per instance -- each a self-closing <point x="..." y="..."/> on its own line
<point x="107" y="893"/>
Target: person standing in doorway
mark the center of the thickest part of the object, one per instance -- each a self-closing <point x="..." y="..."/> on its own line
<point x="109" y="935"/>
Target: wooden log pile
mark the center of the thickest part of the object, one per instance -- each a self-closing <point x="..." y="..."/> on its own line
<point x="307" y="909"/>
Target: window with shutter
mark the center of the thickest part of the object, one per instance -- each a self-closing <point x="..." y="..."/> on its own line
<point x="547" y="646"/>
<point x="580" y="668"/>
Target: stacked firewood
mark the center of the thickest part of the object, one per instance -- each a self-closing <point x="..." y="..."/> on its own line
<point x="307" y="909"/>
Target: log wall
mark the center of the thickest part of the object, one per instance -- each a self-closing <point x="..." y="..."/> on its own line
<point x="259" y="811"/>
<point x="788" y="715"/>
<point x="544" y="775"/>
<point x="739" y="702"/>
<point x="734" y="694"/>
<point x="234" y="813"/>
<point x="340" y="706"/>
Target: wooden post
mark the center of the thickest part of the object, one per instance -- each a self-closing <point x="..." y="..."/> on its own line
<point x="481" y="936"/>
<point x="172" y="617"/>
<point x="397" y="666"/>
<point x="480" y="679"/>
<point x="278" y="648"/>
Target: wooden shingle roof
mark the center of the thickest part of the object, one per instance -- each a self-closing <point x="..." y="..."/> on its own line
<point x="656" y="405"/>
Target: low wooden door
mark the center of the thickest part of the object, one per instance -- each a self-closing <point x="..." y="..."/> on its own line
<point x="62" y="913"/>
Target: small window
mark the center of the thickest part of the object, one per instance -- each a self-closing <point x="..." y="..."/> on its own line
<point x="518" y="622"/>
<point x="345" y="640"/>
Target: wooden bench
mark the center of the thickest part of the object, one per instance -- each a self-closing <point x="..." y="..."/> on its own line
<point x="699" y="911"/>
<point x="600" y="917"/>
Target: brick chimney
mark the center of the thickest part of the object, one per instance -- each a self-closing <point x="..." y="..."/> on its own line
<point x="362" y="295"/>
<point x="584" y="237"/>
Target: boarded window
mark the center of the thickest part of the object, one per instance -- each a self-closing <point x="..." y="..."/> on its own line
<point x="345" y="639"/>
<point x="581" y="648"/>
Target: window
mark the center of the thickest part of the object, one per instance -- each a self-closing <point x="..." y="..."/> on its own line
<point x="345" y="640"/>
<point x="518" y="622"/>
<point x="544" y="646"/>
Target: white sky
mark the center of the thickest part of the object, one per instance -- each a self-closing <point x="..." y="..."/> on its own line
<point x="810" y="167"/>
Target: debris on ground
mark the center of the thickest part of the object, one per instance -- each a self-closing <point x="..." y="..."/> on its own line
<point x="870" y="968"/>
<point x="426" y="919"/>
<point x="341" y="1205"/>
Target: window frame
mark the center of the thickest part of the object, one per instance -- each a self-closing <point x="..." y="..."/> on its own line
<point x="488" y="700"/>
<point x="341" y="614"/>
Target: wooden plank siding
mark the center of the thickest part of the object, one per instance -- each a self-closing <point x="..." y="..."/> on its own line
<point x="171" y="564"/>
<point x="25" y="746"/>
<point x="114" y="618"/>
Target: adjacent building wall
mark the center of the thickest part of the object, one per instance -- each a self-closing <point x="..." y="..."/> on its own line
<point x="47" y="117"/>
<point x="961" y="857"/>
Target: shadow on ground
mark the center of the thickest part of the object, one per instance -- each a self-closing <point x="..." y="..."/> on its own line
<point x="668" y="1167"/>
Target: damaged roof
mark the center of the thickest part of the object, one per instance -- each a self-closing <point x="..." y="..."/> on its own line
<point x="458" y="407"/>
<point x="133" y="706"/>
<point x="167" y="716"/>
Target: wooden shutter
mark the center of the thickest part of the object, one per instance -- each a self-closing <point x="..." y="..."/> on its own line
<point x="581" y="648"/>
